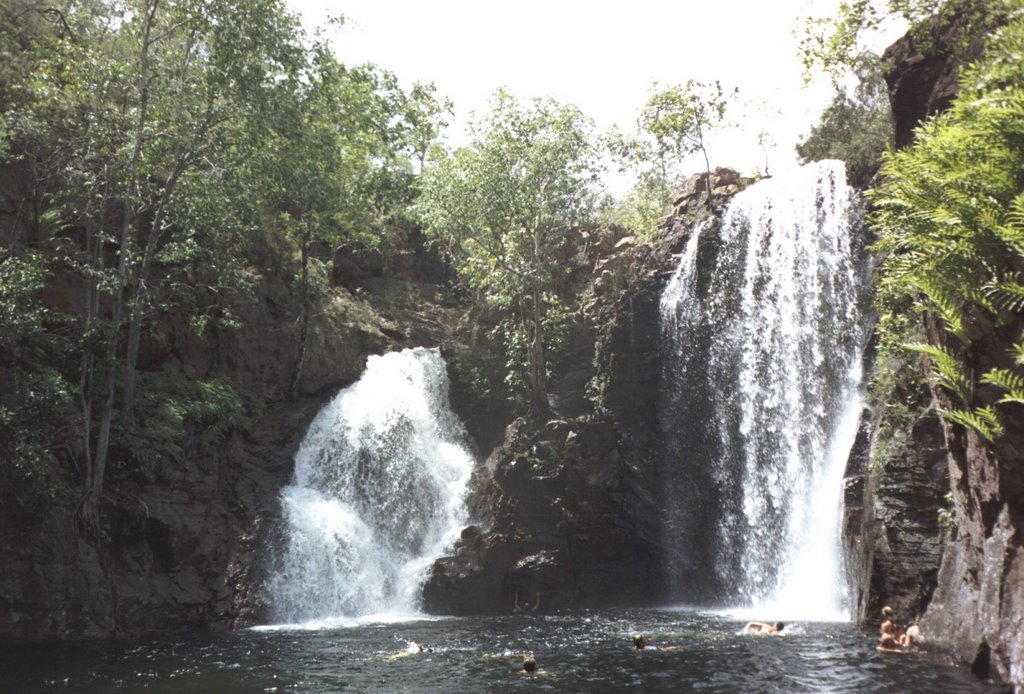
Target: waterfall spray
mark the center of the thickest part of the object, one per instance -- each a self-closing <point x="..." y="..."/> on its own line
<point x="377" y="495"/>
<point x="762" y="333"/>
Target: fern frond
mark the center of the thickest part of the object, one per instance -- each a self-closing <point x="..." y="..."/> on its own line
<point x="946" y="305"/>
<point x="1017" y="352"/>
<point x="948" y="372"/>
<point x="1012" y="383"/>
<point x="983" y="420"/>
<point x="1011" y="230"/>
<point x="1007" y="294"/>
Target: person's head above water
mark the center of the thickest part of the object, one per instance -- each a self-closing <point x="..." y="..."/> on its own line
<point x="640" y="642"/>
<point x="530" y="664"/>
<point x="779" y="626"/>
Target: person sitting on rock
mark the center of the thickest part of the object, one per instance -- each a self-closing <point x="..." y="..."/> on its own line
<point x="889" y="626"/>
<point x="762" y="628"/>
<point x="912" y="636"/>
<point x="889" y="644"/>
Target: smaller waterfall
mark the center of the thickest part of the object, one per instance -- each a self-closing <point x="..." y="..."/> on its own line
<point x="762" y="334"/>
<point x="378" y="494"/>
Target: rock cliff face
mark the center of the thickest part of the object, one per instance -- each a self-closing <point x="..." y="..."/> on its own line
<point x="977" y="612"/>
<point x="925" y="63"/>
<point x="182" y="540"/>
<point x="573" y="513"/>
<point x="967" y="578"/>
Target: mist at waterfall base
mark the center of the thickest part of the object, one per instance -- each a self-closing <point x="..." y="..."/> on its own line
<point x="378" y="495"/>
<point x="762" y="337"/>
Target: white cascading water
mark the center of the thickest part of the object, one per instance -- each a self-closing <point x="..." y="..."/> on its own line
<point x="768" y="338"/>
<point x="378" y="494"/>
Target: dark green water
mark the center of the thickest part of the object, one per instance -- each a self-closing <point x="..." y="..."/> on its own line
<point x="578" y="652"/>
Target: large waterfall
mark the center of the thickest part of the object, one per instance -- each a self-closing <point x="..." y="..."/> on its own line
<point x="378" y="494"/>
<point x="762" y="341"/>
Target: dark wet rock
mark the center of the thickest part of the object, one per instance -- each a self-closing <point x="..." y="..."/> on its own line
<point x="571" y="509"/>
<point x="557" y="526"/>
<point x="977" y="612"/>
<point x="892" y="528"/>
<point x="924" y="65"/>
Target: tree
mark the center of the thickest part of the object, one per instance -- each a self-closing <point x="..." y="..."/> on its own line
<point x="348" y="141"/>
<point x="138" y="123"/>
<point x="672" y="126"/>
<point x="855" y="128"/>
<point x="835" y="44"/>
<point x="500" y="208"/>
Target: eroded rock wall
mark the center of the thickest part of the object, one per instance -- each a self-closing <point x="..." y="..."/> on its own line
<point x="938" y="525"/>
<point x="977" y="613"/>
<point x="572" y="511"/>
<point x="183" y="537"/>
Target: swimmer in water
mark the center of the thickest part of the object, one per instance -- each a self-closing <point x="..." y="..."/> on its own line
<point x="642" y="643"/>
<point x="412" y="648"/>
<point x="530" y="666"/>
<point x="762" y="628"/>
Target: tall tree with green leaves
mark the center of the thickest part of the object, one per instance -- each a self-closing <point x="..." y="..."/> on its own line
<point x="340" y="167"/>
<point x="672" y="126"/>
<point x="500" y="208"/>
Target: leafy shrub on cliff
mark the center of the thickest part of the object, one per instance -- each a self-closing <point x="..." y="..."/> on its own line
<point x="34" y="398"/>
<point x="172" y="406"/>
<point x="856" y="128"/>
<point x="835" y="43"/>
<point x="499" y="209"/>
<point x="950" y="214"/>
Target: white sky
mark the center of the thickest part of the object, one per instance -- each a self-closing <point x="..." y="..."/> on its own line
<point x="601" y="56"/>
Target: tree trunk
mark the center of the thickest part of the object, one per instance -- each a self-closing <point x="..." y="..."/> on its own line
<point x="94" y="483"/>
<point x="141" y="294"/>
<point x="304" y="320"/>
<point x="538" y="366"/>
<point x="707" y="162"/>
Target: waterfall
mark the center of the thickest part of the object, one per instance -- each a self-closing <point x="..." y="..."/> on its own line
<point x="762" y="334"/>
<point x="377" y="494"/>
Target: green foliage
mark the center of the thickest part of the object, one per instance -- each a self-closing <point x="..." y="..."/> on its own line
<point x="165" y="141"/>
<point x="172" y="406"/>
<point x="947" y="516"/>
<point x="835" y="44"/>
<point x="948" y="371"/>
<point x="499" y="209"/>
<point x="950" y="216"/>
<point x="856" y="128"/>
<point x="21" y="312"/>
<point x="896" y="388"/>
<point x="672" y="126"/>
<point x="33" y="434"/>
